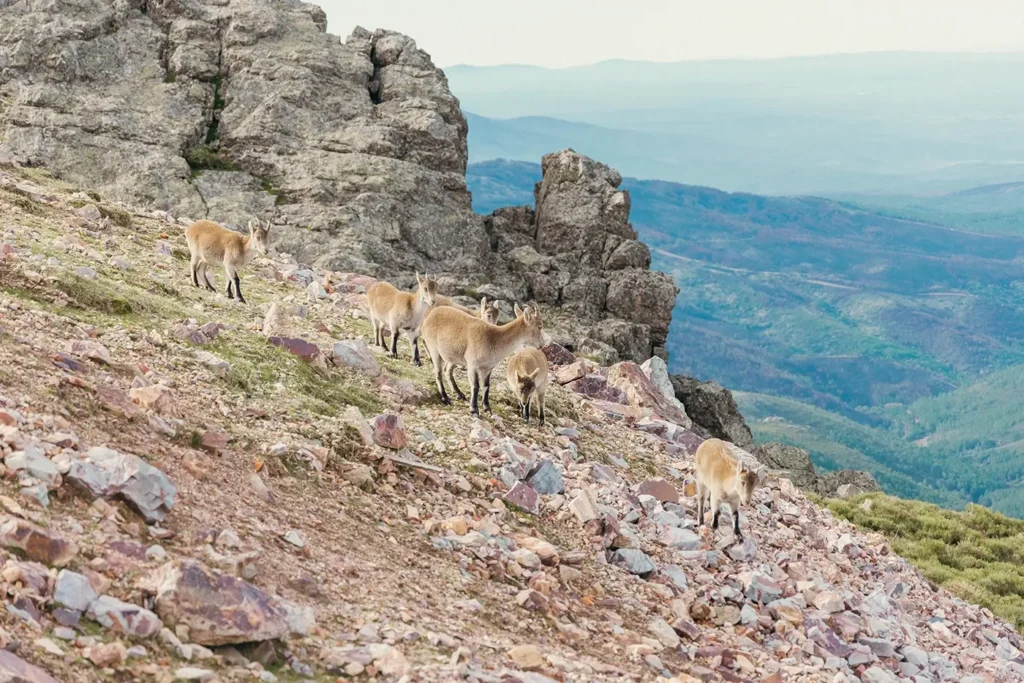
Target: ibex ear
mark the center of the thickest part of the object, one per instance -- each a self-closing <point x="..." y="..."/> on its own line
<point x="268" y="226"/>
<point x="419" y="280"/>
<point x="253" y="224"/>
<point x="518" y="311"/>
<point x="533" y="375"/>
<point x="483" y="303"/>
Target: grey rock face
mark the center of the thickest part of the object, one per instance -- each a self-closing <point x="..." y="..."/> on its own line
<point x="358" y="148"/>
<point x="578" y="250"/>
<point x="795" y="464"/>
<point x="713" y="409"/>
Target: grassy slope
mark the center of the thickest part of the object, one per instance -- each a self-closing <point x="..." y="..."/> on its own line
<point x="977" y="554"/>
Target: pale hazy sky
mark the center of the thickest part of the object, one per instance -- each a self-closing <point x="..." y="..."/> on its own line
<point x="570" y="32"/>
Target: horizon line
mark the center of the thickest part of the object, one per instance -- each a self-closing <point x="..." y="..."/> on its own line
<point x="705" y="60"/>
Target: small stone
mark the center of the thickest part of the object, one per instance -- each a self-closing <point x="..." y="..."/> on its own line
<point x="296" y="538"/>
<point x="124" y="617"/>
<point x="526" y="558"/>
<point x="354" y="354"/>
<point x="584" y="506"/>
<point x="156" y="397"/>
<point x="523" y="497"/>
<point x="681" y="539"/>
<point x="137" y="652"/>
<point x="877" y="674"/>
<point x="156" y="553"/>
<point x="73" y="591"/>
<point x="297" y="347"/>
<point x="38" y="544"/>
<point x="218" y="365"/>
<point x="545" y="478"/>
<point x="107" y="656"/>
<point x="659" y="489"/>
<point x="743" y="552"/>
<point x="86" y="272"/>
<point x="567" y="574"/>
<point x="389" y="432"/>
<point x="192" y="673"/>
<point x="315" y="291"/>
<point x="213" y="442"/>
<point x="47" y="645"/>
<point x="64" y="633"/>
<point x="665" y="634"/>
<point x="828" y="601"/>
<point x="634" y="561"/>
<point x="527" y="657"/>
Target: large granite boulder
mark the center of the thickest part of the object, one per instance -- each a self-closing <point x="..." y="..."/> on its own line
<point x="795" y="464"/>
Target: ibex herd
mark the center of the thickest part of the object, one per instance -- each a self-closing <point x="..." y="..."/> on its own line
<point x="456" y="336"/>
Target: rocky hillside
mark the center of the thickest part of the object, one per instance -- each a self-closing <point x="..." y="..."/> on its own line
<point x="356" y="149"/>
<point x="195" y="489"/>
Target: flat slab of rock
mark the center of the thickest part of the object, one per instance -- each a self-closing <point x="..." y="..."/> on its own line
<point x="297" y="347"/>
<point x="524" y="497"/>
<point x="660" y="489"/>
<point x="37" y="543"/>
<point x="557" y="354"/>
<point x="217" y="609"/>
<point x="14" y="669"/>
<point x="109" y="473"/>
<point x="389" y="432"/>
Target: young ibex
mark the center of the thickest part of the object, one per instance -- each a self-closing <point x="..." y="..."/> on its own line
<point x="489" y="311"/>
<point x="398" y="310"/>
<point x="454" y="338"/>
<point x="209" y="243"/>
<point x="528" y="379"/>
<point x="724" y="477"/>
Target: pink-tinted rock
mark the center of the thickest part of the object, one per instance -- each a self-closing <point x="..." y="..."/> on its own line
<point x="524" y="497"/>
<point x="124" y="617"/>
<point x="351" y="283"/>
<point x="33" y="576"/>
<point x="156" y="398"/>
<point x="557" y="354"/>
<point x="298" y="347"/>
<point x="642" y="393"/>
<point x="616" y="412"/>
<point x="596" y="387"/>
<point x="38" y="544"/>
<point x="89" y="350"/>
<point x="217" y="609"/>
<point x="214" y="442"/>
<point x="660" y="489"/>
<point x="116" y="401"/>
<point x="388" y="431"/>
<point x="14" y="669"/>
<point x="574" y="371"/>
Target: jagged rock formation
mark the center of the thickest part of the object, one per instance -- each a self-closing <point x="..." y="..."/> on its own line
<point x="577" y="249"/>
<point x="243" y="109"/>
<point x="713" y="410"/>
<point x="795" y="464"/>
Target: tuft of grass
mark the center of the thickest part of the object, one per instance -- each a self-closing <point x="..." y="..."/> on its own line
<point x="117" y="215"/>
<point x="977" y="554"/>
<point x="204" y="158"/>
<point x="106" y="298"/>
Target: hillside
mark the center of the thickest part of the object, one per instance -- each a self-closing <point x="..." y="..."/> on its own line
<point x="387" y="547"/>
<point x="990" y="209"/>
<point x="849" y="311"/>
<point x="883" y="123"/>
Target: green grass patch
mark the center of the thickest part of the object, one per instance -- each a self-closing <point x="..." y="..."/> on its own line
<point x="204" y="158"/>
<point x="976" y="554"/>
<point x="102" y="297"/>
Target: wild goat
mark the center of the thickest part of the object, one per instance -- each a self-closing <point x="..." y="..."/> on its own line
<point x="528" y="379"/>
<point x="210" y="243"/>
<point x="454" y="338"/>
<point x="489" y="311"/>
<point x="725" y="477"/>
<point x="398" y="310"/>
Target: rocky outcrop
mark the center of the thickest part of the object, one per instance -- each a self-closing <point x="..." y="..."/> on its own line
<point x="234" y="110"/>
<point x="795" y="464"/>
<point x="713" y="410"/>
<point x="576" y="249"/>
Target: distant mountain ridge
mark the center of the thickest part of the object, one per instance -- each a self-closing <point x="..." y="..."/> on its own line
<point x="908" y="123"/>
<point x="830" y="305"/>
